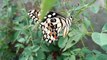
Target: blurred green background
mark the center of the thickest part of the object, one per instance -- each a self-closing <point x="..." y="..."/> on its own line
<point x="87" y="39"/>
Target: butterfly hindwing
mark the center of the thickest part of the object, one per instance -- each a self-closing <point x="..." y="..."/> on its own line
<point x="50" y="30"/>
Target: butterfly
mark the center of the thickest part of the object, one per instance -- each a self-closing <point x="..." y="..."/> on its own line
<point x="52" y="24"/>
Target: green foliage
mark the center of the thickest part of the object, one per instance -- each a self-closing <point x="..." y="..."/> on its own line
<point x="19" y="39"/>
<point x="96" y="55"/>
<point x="62" y="42"/>
<point x="46" y="6"/>
<point x="95" y="8"/>
<point x="106" y="5"/>
<point x="101" y="38"/>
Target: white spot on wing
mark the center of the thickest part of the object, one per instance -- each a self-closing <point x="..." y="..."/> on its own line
<point x="46" y="39"/>
<point x="54" y="14"/>
<point x="50" y="41"/>
<point x="33" y="17"/>
<point x="36" y="19"/>
<point x="44" y="36"/>
<point x="43" y="23"/>
<point x="28" y="13"/>
<point x="49" y="15"/>
<point x="39" y="14"/>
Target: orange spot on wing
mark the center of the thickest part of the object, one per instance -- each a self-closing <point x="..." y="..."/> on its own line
<point x="55" y="37"/>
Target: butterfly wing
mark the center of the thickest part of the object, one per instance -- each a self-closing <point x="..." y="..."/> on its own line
<point x="52" y="24"/>
<point x="34" y="14"/>
<point x="51" y="29"/>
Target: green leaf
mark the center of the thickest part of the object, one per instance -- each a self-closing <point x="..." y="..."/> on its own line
<point x="96" y="55"/>
<point x="46" y="6"/>
<point x="96" y="37"/>
<point x="53" y="47"/>
<point x="24" y="58"/>
<point x="39" y="33"/>
<point x="66" y="58"/>
<point x="72" y="57"/>
<point x="19" y="45"/>
<point x="62" y="42"/>
<point x="86" y="22"/>
<point x="16" y="35"/>
<point x="99" y="55"/>
<point x="35" y="48"/>
<point x="95" y="8"/>
<point x="6" y="2"/>
<point x="30" y="58"/>
<point x="80" y="9"/>
<point x="104" y="29"/>
<point x="17" y="28"/>
<point x="60" y="58"/>
<point x="90" y="57"/>
<point x="104" y="47"/>
<point x="76" y="51"/>
<point x="85" y="50"/>
<point x="22" y="40"/>
<point x="9" y="11"/>
<point x="99" y="38"/>
<point x="66" y="53"/>
<point x="27" y="51"/>
<point x="44" y="48"/>
<point x="49" y="57"/>
<point x="102" y="57"/>
<point x="103" y="38"/>
<point x="40" y="55"/>
<point x="72" y="33"/>
<point x="73" y="40"/>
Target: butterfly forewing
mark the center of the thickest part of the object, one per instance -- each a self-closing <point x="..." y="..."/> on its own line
<point x="34" y="14"/>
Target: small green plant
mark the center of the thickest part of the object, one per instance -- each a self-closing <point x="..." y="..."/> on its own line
<point x="19" y="39"/>
<point x="101" y="38"/>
